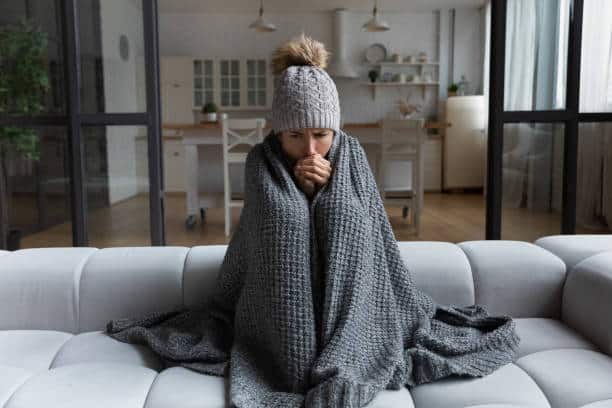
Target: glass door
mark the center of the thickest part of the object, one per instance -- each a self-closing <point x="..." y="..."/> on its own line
<point x="541" y="180"/>
<point x="99" y="117"/>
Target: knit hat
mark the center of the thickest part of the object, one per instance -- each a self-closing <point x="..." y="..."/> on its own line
<point x="305" y="96"/>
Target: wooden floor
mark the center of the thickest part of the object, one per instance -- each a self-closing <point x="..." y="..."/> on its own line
<point x="451" y="217"/>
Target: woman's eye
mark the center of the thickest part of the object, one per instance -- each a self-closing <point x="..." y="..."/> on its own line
<point x="295" y="135"/>
<point x="321" y="135"/>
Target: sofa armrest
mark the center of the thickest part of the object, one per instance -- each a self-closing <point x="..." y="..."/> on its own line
<point x="587" y="300"/>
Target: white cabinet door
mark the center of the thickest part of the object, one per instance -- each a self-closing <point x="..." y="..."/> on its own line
<point x="174" y="166"/>
<point x="176" y="78"/>
<point x="176" y="104"/>
<point x="176" y="69"/>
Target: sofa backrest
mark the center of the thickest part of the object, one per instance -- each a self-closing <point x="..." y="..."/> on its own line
<point x="573" y="249"/>
<point x="80" y="289"/>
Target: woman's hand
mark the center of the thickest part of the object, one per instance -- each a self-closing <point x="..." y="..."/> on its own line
<point x="312" y="172"/>
<point x="307" y="186"/>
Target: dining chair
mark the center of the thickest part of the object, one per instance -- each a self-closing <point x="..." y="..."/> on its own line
<point x="403" y="140"/>
<point x="236" y="146"/>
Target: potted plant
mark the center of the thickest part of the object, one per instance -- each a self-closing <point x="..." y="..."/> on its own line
<point x="209" y="110"/>
<point x="24" y="82"/>
<point x="452" y="89"/>
<point x="373" y="75"/>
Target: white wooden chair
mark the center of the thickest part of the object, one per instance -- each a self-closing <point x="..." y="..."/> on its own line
<point x="403" y="139"/>
<point x="236" y="146"/>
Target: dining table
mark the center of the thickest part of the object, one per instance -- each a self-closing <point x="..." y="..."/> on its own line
<point x="208" y="135"/>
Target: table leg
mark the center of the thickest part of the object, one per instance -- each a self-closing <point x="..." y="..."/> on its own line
<point x="191" y="176"/>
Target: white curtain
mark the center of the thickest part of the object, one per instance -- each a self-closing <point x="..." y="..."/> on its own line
<point x="594" y="189"/>
<point x="536" y="55"/>
<point x="521" y="53"/>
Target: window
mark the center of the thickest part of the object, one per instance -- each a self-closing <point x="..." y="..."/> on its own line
<point x="233" y="84"/>
<point x="256" y="86"/>
<point x="230" y="83"/>
<point x="202" y="82"/>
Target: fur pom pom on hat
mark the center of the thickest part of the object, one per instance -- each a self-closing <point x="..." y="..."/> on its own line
<point x="305" y="96"/>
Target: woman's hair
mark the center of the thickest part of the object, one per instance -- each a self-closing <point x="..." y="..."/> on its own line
<point x="302" y="50"/>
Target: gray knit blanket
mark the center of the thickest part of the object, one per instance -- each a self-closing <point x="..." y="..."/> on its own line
<point x="313" y="306"/>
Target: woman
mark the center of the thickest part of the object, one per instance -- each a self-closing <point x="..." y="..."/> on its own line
<point x="313" y="305"/>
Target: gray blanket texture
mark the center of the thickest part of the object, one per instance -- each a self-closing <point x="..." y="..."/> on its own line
<point x="313" y="305"/>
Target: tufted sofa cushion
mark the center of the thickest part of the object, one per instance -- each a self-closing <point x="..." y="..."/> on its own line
<point x="54" y="303"/>
<point x="574" y="248"/>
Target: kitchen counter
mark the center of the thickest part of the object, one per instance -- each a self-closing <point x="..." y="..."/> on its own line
<point x="364" y="125"/>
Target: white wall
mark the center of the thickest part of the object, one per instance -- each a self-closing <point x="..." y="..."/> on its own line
<point x="229" y="35"/>
<point x="123" y="91"/>
<point x="468" y="48"/>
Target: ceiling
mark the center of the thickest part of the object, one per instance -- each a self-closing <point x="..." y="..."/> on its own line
<point x="310" y="6"/>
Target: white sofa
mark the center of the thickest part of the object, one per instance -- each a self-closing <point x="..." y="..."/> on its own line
<point x="55" y="302"/>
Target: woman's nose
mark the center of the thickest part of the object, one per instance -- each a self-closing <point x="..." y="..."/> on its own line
<point x="312" y="146"/>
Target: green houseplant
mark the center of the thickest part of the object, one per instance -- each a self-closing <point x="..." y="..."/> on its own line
<point x="23" y="84"/>
<point x="210" y="111"/>
<point x="452" y="89"/>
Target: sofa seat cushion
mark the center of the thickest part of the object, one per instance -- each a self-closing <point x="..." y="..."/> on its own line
<point x="82" y="370"/>
<point x="599" y="404"/>
<point x="570" y="377"/>
<point x="511" y="385"/>
<point x="97" y="346"/>
<point x="498" y="406"/>
<point x="11" y="379"/>
<point x="32" y="350"/>
<point x="391" y="399"/>
<point x="508" y="385"/>
<point x="35" y="361"/>
<point x="86" y="385"/>
<point x="538" y="334"/>
<point x="182" y="387"/>
<point x="179" y="386"/>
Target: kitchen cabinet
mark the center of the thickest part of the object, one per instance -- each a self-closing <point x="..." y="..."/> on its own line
<point x="176" y="80"/>
<point x="187" y="83"/>
<point x="174" y="165"/>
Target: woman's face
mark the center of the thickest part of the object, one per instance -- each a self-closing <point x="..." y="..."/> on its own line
<point x="299" y="143"/>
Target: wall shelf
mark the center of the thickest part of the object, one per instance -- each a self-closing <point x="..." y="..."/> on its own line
<point x="395" y="83"/>
<point x="417" y="68"/>
<point x="404" y="64"/>
<point x="375" y="85"/>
